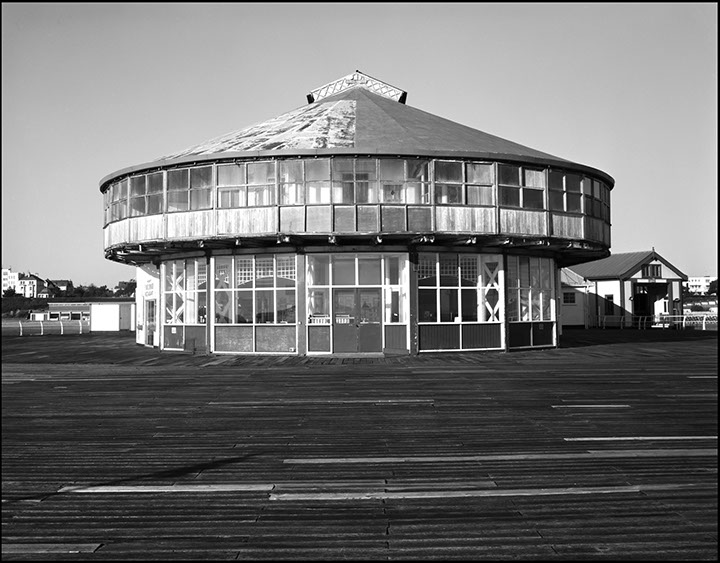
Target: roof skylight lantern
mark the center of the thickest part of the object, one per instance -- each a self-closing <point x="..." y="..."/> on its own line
<point x="354" y="80"/>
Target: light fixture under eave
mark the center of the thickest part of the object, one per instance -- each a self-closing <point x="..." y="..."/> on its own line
<point x="332" y="239"/>
<point x="377" y="239"/>
<point x="281" y="238"/>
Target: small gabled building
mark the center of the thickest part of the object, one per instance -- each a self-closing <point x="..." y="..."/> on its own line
<point x="624" y="287"/>
<point x="47" y="290"/>
<point x="62" y="285"/>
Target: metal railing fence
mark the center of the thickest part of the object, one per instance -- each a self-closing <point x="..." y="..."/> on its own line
<point x="691" y="320"/>
<point x="41" y="328"/>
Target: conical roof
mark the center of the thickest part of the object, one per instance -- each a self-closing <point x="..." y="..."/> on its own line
<point x="361" y="115"/>
<point x="366" y="122"/>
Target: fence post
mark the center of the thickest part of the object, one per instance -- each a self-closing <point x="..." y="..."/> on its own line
<point x="41" y="328"/>
<point x="20" y="323"/>
<point x="61" y="328"/>
<point x="80" y="325"/>
<point x="704" y="318"/>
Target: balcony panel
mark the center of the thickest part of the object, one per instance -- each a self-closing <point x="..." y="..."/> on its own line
<point x="190" y="224"/>
<point x="393" y="219"/>
<point x="453" y="219"/>
<point x="420" y="219"/>
<point x="146" y="228"/>
<point x="246" y="221"/>
<point x="567" y="226"/>
<point x="345" y="219"/>
<point x="292" y="219"/>
<point x="594" y="229"/>
<point x="319" y="219"/>
<point x="368" y="218"/>
<point x="522" y="222"/>
<point x="485" y="220"/>
<point x="116" y="233"/>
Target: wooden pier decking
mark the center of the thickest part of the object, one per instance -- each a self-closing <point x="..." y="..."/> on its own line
<point x="605" y="448"/>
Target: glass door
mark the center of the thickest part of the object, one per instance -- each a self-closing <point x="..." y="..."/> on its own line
<point x="345" y="320"/>
<point x="357" y="324"/>
<point x="150" y="307"/>
<point x="369" y="322"/>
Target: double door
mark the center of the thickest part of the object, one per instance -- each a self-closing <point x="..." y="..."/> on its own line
<point x="357" y="320"/>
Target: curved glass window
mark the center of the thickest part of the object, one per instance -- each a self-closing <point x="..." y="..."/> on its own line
<point x="356" y="181"/>
<point x="564" y="192"/>
<point x="521" y="186"/>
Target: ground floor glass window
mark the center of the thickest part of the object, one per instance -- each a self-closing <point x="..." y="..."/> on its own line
<point x="460" y="301"/>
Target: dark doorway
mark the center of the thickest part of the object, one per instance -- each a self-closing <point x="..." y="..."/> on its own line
<point x="645" y="295"/>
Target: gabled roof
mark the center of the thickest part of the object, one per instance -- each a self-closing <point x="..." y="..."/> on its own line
<point x="25" y="277"/>
<point x="621" y="266"/>
<point x="568" y="277"/>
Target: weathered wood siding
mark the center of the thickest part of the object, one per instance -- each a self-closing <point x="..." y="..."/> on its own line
<point x="567" y="226"/>
<point x="325" y="219"/>
<point x="246" y="221"/>
<point x="146" y="228"/>
<point x="116" y="233"/>
<point x="594" y="229"/>
<point x="465" y="219"/>
<point x="522" y="222"/>
<point x="190" y="224"/>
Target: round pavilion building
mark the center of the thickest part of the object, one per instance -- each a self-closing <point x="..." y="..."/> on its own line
<point x="354" y="224"/>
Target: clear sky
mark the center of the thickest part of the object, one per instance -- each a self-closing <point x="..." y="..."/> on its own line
<point x="89" y="89"/>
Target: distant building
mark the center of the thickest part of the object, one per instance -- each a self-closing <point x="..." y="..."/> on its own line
<point x="621" y="288"/>
<point x="104" y="315"/>
<point x="575" y="290"/>
<point x="62" y="285"/>
<point x="699" y="285"/>
<point x="48" y="290"/>
<point x="9" y="280"/>
<point x="29" y="285"/>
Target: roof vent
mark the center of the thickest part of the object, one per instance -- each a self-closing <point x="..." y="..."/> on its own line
<point x="353" y="80"/>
